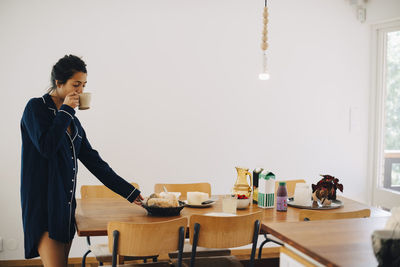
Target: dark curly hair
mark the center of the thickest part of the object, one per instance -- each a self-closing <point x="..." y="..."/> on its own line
<point x="65" y="68"/>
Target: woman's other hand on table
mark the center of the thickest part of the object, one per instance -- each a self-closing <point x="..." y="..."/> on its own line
<point x="138" y="200"/>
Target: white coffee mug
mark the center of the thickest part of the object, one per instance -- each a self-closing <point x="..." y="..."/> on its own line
<point x="84" y="100"/>
<point x="302" y="194"/>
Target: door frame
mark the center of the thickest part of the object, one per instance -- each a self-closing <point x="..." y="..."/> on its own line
<point x="379" y="196"/>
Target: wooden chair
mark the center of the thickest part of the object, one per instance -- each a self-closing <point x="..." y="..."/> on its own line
<point x="312" y="215"/>
<point x="100" y="251"/>
<point x="140" y="240"/>
<point x="184" y="188"/>
<point x="224" y="232"/>
<point x="99" y="191"/>
<point x="290" y="185"/>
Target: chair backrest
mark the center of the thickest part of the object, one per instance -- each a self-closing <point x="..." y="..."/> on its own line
<point x="290" y="185"/>
<point x="224" y="232"/>
<point x="144" y="239"/>
<point x="99" y="191"/>
<point x="312" y="215"/>
<point x="184" y="188"/>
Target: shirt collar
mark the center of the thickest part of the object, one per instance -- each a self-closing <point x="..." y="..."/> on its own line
<point x="49" y="101"/>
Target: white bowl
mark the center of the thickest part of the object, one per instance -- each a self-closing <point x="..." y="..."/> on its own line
<point x="242" y="203"/>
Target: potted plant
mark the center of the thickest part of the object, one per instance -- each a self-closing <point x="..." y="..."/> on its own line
<point x="325" y="190"/>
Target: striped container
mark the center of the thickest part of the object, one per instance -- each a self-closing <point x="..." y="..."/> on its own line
<point x="266" y="190"/>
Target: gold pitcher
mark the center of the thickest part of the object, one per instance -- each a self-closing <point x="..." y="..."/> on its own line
<point x="241" y="186"/>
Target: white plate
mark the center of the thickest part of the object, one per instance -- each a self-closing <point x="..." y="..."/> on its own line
<point x="199" y="206"/>
<point x="313" y="206"/>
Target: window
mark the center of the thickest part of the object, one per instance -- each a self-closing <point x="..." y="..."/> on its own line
<point x="391" y="179"/>
<point x="385" y="118"/>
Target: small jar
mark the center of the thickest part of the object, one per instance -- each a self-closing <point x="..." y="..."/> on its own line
<point x="281" y="197"/>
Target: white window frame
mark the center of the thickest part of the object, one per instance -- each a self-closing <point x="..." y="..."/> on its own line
<point x="379" y="196"/>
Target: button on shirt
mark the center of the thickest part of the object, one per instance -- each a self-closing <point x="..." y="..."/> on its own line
<point x="49" y="170"/>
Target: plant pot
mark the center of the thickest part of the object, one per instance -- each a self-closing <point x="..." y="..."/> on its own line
<point x="323" y="202"/>
<point x="243" y="203"/>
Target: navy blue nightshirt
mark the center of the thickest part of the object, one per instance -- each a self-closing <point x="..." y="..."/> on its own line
<point x="49" y="171"/>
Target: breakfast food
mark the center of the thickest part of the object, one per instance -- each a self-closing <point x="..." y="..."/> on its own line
<point x="163" y="200"/>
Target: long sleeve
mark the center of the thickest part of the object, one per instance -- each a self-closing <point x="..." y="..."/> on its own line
<point x="99" y="168"/>
<point x="46" y="133"/>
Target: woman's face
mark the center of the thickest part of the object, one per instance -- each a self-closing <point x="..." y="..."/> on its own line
<point x="76" y="84"/>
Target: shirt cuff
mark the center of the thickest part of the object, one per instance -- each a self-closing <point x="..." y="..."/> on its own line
<point x="133" y="195"/>
<point x="68" y="110"/>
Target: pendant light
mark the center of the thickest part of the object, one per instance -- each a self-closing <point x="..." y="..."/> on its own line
<point x="264" y="75"/>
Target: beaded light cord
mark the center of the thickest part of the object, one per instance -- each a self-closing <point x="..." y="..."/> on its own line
<point x="264" y="43"/>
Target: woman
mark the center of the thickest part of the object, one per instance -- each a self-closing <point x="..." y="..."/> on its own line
<point x="52" y="141"/>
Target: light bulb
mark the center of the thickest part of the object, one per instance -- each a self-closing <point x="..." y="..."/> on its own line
<point x="264" y="76"/>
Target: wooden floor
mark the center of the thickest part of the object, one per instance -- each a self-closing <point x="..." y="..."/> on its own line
<point x="270" y="254"/>
<point x="72" y="262"/>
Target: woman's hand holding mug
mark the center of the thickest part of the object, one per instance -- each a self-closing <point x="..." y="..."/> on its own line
<point x="72" y="100"/>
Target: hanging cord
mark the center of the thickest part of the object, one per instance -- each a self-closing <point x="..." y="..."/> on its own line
<point x="264" y="43"/>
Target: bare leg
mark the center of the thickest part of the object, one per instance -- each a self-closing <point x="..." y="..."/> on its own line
<point x="66" y="251"/>
<point x="52" y="252"/>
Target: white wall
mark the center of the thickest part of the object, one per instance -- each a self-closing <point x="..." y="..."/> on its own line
<point x="176" y="94"/>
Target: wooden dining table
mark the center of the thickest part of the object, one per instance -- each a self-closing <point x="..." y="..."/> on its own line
<point x="93" y="215"/>
<point x="330" y="242"/>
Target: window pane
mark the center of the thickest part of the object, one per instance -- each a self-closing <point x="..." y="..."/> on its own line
<point x="396" y="174"/>
<point x="392" y="112"/>
<point x="392" y="131"/>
